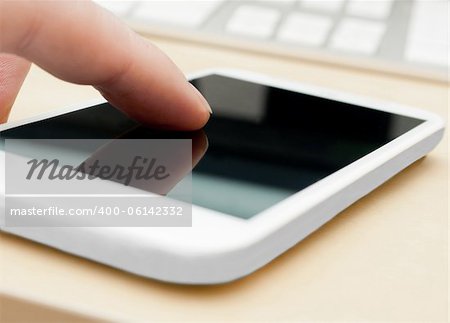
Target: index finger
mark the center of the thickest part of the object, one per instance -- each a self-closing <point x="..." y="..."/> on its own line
<point x="79" y="42"/>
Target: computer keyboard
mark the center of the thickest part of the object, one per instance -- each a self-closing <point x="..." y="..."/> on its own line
<point x="400" y="36"/>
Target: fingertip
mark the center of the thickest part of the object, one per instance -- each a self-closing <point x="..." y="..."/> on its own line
<point x="202" y="99"/>
<point x="200" y="121"/>
<point x="13" y="71"/>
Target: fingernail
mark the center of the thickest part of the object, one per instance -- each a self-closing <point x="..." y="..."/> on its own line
<point x="202" y="98"/>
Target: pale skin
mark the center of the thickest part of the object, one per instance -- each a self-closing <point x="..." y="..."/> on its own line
<point x="79" y="42"/>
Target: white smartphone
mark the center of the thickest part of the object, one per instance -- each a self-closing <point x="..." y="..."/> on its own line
<point x="283" y="159"/>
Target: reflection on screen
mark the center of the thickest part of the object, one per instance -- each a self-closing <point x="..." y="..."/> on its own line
<point x="265" y="143"/>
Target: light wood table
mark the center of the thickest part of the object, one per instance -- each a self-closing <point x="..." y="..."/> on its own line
<point x="382" y="259"/>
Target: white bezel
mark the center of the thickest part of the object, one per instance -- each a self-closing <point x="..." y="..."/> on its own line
<point x="219" y="247"/>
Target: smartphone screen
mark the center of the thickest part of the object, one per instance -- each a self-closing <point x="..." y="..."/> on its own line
<point x="265" y="143"/>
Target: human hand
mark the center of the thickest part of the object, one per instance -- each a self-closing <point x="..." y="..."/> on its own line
<point x="79" y="42"/>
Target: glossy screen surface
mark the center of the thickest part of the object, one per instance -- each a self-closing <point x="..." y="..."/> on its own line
<point x="265" y="143"/>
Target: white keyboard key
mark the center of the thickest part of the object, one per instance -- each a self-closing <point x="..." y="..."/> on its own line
<point x="187" y="13"/>
<point x="330" y="6"/>
<point x="253" y="21"/>
<point x="358" y="36"/>
<point x="305" y="29"/>
<point x="375" y="9"/>
<point x="428" y="38"/>
<point x="284" y="3"/>
<point x="119" y="8"/>
<point x="430" y="20"/>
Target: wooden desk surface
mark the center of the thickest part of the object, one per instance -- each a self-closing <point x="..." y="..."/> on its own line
<point x="383" y="259"/>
